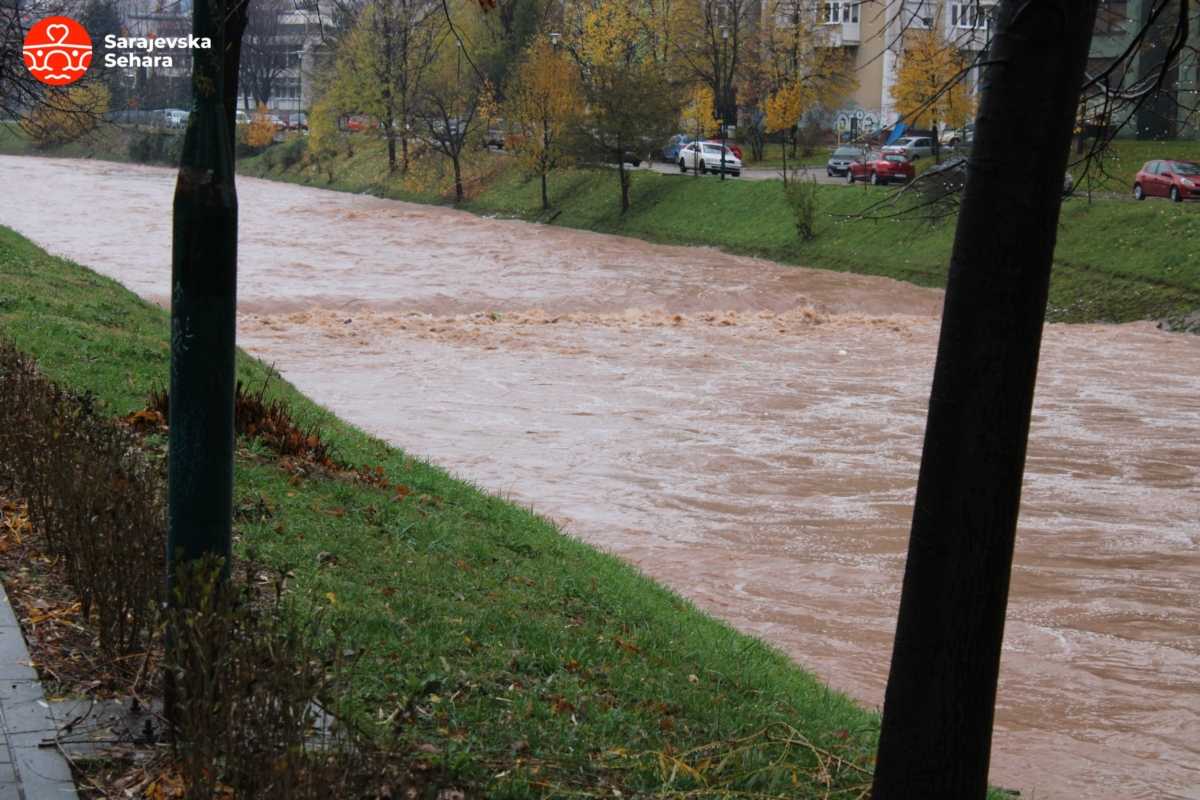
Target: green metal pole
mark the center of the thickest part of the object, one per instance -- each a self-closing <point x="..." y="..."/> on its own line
<point x="203" y="306"/>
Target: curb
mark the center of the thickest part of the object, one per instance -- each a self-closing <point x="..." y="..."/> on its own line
<point x="28" y="771"/>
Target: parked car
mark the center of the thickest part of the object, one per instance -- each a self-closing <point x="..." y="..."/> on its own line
<point x="911" y="147"/>
<point x="1178" y="180"/>
<point x="839" y="162"/>
<point x="495" y="137"/>
<point x="879" y="171"/>
<point x="670" y="151"/>
<point x="277" y="121"/>
<point x="737" y="150"/>
<point x="953" y="137"/>
<point x="241" y="117"/>
<point x="297" y="121"/>
<point x="359" y="122"/>
<point x="703" y="157"/>
<point x="175" y="117"/>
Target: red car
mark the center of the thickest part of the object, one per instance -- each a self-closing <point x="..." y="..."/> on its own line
<point x="1178" y="180"/>
<point x="879" y="171"/>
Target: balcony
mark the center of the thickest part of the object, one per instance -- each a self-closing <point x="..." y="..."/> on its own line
<point x="841" y="34"/>
<point x="839" y="23"/>
<point x="968" y="24"/>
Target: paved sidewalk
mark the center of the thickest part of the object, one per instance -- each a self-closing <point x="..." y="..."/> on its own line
<point x="28" y="771"/>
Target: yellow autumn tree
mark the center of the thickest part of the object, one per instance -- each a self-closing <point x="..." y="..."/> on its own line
<point x="543" y="101"/>
<point x="324" y="138"/>
<point x="261" y="130"/>
<point x="930" y="84"/>
<point x="628" y="100"/>
<point x="67" y="117"/>
<point x="698" y="111"/>
<point x="783" y="109"/>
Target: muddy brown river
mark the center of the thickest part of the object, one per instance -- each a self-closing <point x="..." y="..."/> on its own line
<point x="747" y="433"/>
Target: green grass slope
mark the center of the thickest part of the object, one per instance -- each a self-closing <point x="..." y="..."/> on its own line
<point x="513" y="659"/>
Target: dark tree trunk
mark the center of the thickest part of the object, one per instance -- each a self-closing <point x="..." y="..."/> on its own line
<point x="203" y="300"/>
<point x="545" y="193"/>
<point x="459" y="194"/>
<point x="785" y="173"/>
<point x="623" y="179"/>
<point x="938" y="711"/>
<point x="404" y="153"/>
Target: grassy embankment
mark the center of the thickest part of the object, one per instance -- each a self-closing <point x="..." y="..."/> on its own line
<point x="518" y="661"/>
<point x="1116" y="260"/>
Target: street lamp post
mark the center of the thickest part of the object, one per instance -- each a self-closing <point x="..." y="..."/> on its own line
<point x="723" y="93"/>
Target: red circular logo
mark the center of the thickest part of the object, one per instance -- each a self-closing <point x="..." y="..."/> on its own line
<point x="58" y="51"/>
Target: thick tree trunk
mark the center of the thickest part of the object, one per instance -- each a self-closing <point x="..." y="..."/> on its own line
<point x="623" y="177"/>
<point x="391" y="148"/>
<point x="404" y="153"/>
<point x="937" y="719"/>
<point x="459" y="194"/>
<point x="545" y="193"/>
<point x="203" y="300"/>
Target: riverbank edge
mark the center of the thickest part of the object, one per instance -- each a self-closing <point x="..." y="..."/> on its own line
<point x="614" y="672"/>
<point x="1116" y="261"/>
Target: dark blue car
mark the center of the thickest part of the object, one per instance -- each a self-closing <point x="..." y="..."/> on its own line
<point x="670" y="152"/>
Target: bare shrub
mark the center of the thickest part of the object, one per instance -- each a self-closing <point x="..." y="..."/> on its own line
<point x="95" y="497"/>
<point x="802" y="198"/>
<point x="248" y="687"/>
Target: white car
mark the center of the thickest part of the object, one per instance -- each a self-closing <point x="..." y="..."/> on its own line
<point x="911" y="147"/>
<point x="953" y="137"/>
<point x="175" y="117"/>
<point x="707" y="157"/>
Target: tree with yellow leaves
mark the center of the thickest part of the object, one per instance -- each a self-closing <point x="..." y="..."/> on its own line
<point x="543" y="101"/>
<point x="629" y="102"/>
<point x="698" y="111"/>
<point x="64" y="118"/>
<point x="930" y="82"/>
<point x="381" y="67"/>
<point x="783" y="111"/>
<point x="792" y="50"/>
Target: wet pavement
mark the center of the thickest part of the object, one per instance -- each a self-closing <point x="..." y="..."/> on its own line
<point x="747" y="433"/>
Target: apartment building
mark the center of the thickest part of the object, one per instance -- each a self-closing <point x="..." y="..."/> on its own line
<point x="874" y="33"/>
<point x="280" y="56"/>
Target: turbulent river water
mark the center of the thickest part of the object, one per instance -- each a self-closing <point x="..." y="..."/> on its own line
<point x="747" y="433"/>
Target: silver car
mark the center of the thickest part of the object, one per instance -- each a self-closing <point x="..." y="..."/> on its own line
<point x="911" y="147"/>
<point x="839" y="163"/>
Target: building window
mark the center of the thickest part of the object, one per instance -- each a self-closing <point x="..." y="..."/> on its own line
<point x="840" y="11"/>
<point x="968" y="16"/>
<point x="917" y="14"/>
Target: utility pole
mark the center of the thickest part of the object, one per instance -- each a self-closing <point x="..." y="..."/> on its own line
<point x="722" y="93"/>
<point x="204" y="300"/>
